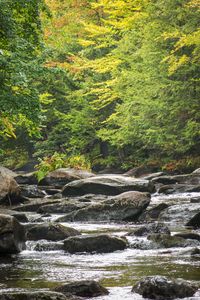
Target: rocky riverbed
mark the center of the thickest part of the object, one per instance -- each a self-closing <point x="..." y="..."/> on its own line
<point x="112" y="229"/>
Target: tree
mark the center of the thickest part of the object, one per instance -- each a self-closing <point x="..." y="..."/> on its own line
<point x="157" y="83"/>
<point x="20" y="47"/>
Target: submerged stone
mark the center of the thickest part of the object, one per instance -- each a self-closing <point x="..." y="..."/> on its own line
<point x="84" y="288"/>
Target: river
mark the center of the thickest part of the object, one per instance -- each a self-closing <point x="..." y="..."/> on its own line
<point x="117" y="271"/>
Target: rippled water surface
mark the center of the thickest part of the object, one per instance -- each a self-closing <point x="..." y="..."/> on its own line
<point x="117" y="271"/>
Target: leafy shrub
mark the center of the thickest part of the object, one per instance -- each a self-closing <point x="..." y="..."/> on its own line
<point x="60" y="160"/>
<point x="184" y="165"/>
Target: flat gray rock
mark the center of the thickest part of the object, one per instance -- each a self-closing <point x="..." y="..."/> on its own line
<point x="107" y="185"/>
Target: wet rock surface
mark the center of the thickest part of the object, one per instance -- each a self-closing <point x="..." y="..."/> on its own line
<point x="181" y="212"/>
<point x="12" y="235"/>
<point x="50" y="231"/>
<point x="34" y="205"/>
<point x="178" y="188"/>
<point x="124" y="207"/>
<point x="153" y="213"/>
<point x="151" y="228"/>
<point x="94" y="243"/>
<point x="64" y="206"/>
<point x="194" y="221"/>
<point x="167" y="241"/>
<point x="162" y="288"/>
<point x="125" y="235"/>
<point x="32" y="191"/>
<point x="43" y="245"/>
<point x="85" y="288"/>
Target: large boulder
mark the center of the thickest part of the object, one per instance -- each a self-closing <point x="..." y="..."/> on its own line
<point x="124" y="207"/>
<point x="50" y="231"/>
<point x="29" y="295"/>
<point x="9" y="189"/>
<point x="162" y="288"/>
<point x="62" y="176"/>
<point x="101" y="243"/>
<point x="84" y="288"/>
<point x="12" y="235"/>
<point x="107" y="185"/>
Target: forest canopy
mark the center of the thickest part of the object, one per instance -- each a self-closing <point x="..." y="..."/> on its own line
<point x="100" y="83"/>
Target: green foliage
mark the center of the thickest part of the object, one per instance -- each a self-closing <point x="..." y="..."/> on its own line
<point x="78" y="162"/>
<point x="157" y="114"/>
<point x="49" y="164"/>
<point x="184" y="165"/>
<point x="58" y="160"/>
<point x="13" y="158"/>
<point x="117" y="81"/>
<point x="20" y="48"/>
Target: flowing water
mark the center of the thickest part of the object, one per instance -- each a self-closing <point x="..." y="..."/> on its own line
<point x="117" y="271"/>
